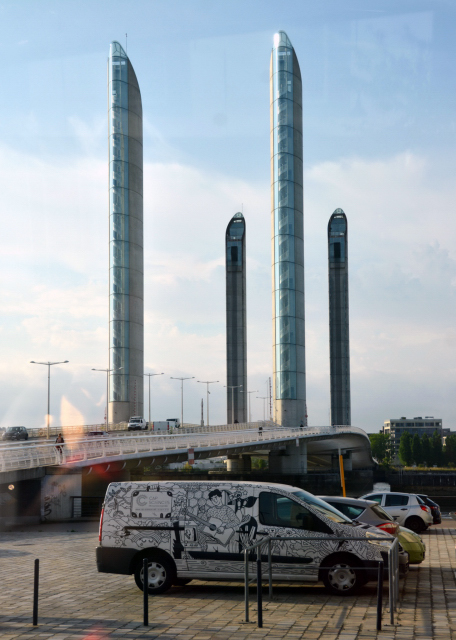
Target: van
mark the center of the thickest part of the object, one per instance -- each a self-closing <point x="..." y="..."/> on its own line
<point x="199" y="530"/>
<point x="137" y="423"/>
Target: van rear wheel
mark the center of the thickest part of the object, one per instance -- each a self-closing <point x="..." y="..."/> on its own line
<point x="161" y="575"/>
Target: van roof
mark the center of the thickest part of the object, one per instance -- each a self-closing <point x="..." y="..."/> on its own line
<point x="270" y="485"/>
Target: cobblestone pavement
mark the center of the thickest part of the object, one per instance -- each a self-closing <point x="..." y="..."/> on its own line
<point x="77" y="602"/>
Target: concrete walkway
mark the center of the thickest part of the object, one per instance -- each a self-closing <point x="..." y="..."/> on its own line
<point x="77" y="602"/>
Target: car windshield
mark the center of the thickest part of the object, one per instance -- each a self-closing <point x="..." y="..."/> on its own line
<point x="322" y="507"/>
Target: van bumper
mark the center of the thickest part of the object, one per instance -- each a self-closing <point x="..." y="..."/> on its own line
<point x="112" y="560"/>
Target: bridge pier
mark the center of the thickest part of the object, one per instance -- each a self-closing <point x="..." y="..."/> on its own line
<point x="241" y="463"/>
<point x="292" y="459"/>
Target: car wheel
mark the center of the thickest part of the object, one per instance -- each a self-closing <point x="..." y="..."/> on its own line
<point x="341" y="577"/>
<point x="161" y="574"/>
<point x="416" y="524"/>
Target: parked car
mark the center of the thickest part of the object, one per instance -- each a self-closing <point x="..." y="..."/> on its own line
<point x="433" y="506"/>
<point x="137" y="423"/>
<point x="98" y="434"/>
<point x="369" y="512"/>
<point x="15" y="433"/>
<point x="412" y="543"/>
<point x="366" y="511"/>
<point x="196" y="529"/>
<point x="406" y="508"/>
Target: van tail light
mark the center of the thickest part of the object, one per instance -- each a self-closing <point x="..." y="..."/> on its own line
<point x="101" y="524"/>
<point x="389" y="527"/>
<point x="423" y="508"/>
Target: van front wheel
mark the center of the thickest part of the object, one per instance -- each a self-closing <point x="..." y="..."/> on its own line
<point x="341" y="577"/>
<point x="160" y="578"/>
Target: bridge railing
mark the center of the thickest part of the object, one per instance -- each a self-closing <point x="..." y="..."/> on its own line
<point x="77" y="451"/>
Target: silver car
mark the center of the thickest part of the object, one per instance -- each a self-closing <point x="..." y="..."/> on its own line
<point x="406" y="508"/>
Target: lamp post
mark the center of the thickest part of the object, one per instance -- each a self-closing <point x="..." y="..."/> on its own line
<point x="150" y="376"/>
<point x="182" y="395"/>
<point x="249" y="392"/>
<point x="238" y="386"/>
<point x="264" y="405"/>
<point x="207" y="383"/>
<point x="107" y="371"/>
<point x="49" y="365"/>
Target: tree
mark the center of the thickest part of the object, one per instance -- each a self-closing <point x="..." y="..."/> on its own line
<point x="426" y="450"/>
<point x="380" y="446"/>
<point x="417" y="452"/>
<point x="437" y="449"/>
<point x="405" y="449"/>
<point x="450" y="449"/>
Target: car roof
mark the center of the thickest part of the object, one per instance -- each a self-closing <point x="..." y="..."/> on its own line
<point x="391" y="493"/>
<point x="356" y="502"/>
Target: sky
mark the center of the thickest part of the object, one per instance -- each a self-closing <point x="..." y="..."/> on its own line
<point x="379" y="142"/>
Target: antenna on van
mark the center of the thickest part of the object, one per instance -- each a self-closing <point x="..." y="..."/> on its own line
<point x="126" y="43"/>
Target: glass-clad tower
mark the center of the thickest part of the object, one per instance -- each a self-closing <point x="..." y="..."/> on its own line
<point x="339" y="344"/>
<point x="289" y="387"/>
<point x="126" y="263"/>
<point x="236" y="320"/>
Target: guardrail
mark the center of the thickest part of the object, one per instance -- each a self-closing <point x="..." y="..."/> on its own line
<point x="29" y="455"/>
<point x="393" y="573"/>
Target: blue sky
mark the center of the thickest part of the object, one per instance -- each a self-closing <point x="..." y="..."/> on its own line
<point x="379" y="142"/>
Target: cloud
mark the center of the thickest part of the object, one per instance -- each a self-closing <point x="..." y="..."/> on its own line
<point x="54" y="293"/>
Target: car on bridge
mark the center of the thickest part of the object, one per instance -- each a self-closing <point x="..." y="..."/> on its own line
<point x="15" y="433"/>
<point x="137" y="423"/>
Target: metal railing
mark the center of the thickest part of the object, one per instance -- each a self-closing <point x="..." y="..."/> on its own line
<point x="393" y="572"/>
<point x="79" y="450"/>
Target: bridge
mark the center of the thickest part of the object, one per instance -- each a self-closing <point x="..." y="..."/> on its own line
<point x="40" y="482"/>
<point x="289" y="450"/>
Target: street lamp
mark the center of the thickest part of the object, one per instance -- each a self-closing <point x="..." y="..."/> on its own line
<point x="207" y="382"/>
<point x="150" y="376"/>
<point x="107" y="371"/>
<point x="182" y="395"/>
<point x="49" y="365"/>
<point x="264" y="406"/>
<point x="238" y="386"/>
<point x="249" y="392"/>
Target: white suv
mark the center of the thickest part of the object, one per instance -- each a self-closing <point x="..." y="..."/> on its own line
<point x="406" y="508"/>
<point x="137" y="423"/>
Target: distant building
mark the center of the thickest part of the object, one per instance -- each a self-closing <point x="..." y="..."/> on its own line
<point x="236" y="320"/>
<point x="339" y="341"/>
<point x="395" y="427"/>
<point x="126" y="263"/>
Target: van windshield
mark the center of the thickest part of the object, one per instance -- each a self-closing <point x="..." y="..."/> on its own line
<point x="323" y="507"/>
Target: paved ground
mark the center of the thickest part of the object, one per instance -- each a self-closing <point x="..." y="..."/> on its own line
<point x="77" y="602"/>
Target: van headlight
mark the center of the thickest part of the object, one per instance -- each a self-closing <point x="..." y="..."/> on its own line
<point x="387" y="542"/>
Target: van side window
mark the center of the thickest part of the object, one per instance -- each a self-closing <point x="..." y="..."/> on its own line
<point x="279" y="511"/>
<point x="376" y="498"/>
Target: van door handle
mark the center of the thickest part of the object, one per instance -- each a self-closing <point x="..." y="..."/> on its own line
<point x="404" y="509"/>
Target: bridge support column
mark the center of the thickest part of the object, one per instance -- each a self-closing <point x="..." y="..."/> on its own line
<point x="292" y="460"/>
<point x="239" y="463"/>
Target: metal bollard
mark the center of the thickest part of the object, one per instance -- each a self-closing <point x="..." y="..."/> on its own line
<point x="259" y="592"/>
<point x="146" y="591"/>
<point x="36" y="578"/>
<point x="379" y="596"/>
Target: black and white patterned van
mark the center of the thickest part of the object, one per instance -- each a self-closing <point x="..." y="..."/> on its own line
<point x="199" y="530"/>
